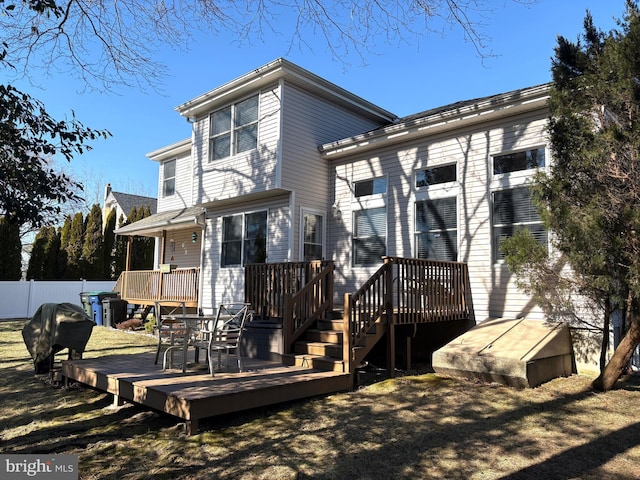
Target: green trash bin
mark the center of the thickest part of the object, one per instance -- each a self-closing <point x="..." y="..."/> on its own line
<point x="86" y="303"/>
<point x="114" y="311"/>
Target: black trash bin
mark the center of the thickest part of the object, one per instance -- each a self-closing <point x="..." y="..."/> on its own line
<point x="96" y="298"/>
<point x="114" y="311"/>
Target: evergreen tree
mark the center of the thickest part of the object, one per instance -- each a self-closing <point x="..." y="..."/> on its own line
<point x="121" y="250"/>
<point x="37" y="258"/>
<point x="93" y="247"/>
<point x="590" y="200"/>
<point x="75" y="262"/>
<point x="64" y="234"/>
<point x="110" y="246"/>
<point x="51" y="253"/>
<point x="11" y="258"/>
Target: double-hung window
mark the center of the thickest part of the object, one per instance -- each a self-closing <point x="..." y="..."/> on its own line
<point x="437" y="229"/>
<point x="512" y="206"/>
<point x="169" y="178"/>
<point x="244" y="238"/>
<point x="514" y="210"/>
<point x="234" y="129"/>
<point x="436" y="212"/>
<point x="369" y="222"/>
<point x="312" y="236"/>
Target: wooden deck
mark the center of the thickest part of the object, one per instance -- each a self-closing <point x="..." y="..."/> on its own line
<point x="195" y="394"/>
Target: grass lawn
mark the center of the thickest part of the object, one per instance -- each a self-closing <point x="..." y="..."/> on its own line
<point x="413" y="427"/>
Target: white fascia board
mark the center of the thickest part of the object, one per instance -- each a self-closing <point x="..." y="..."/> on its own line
<point x="271" y="72"/>
<point x="483" y="111"/>
<point x="170" y="151"/>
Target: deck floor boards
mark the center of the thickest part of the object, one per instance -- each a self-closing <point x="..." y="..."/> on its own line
<point x="196" y="394"/>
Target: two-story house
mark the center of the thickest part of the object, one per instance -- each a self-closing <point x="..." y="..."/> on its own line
<point x="284" y="166"/>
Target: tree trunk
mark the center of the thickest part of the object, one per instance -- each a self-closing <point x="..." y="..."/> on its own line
<point x="605" y="334"/>
<point x="621" y="356"/>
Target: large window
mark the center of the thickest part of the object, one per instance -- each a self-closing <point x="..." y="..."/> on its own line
<point x="169" y="178"/>
<point x="513" y="162"/>
<point x="234" y="129"/>
<point x="437" y="229"/>
<point x="513" y="210"/>
<point x="244" y="239"/>
<point x="369" y="236"/>
<point x="312" y="235"/>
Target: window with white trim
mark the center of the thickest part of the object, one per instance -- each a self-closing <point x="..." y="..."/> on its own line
<point x="244" y="239"/>
<point x="234" y="129"/>
<point x="373" y="186"/>
<point x="436" y="229"/>
<point x="169" y="178"/>
<point x="436" y="175"/>
<point x="518" y="161"/>
<point x="369" y="236"/>
<point x="514" y="210"/>
<point x="312" y="236"/>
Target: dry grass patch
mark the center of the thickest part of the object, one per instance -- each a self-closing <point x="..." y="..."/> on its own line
<point x="412" y="427"/>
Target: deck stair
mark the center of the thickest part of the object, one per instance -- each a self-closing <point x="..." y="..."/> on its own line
<point x="322" y="347"/>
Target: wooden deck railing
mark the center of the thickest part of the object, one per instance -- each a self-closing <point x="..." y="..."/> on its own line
<point x="147" y="287"/>
<point x="430" y="290"/>
<point x="409" y="291"/>
<point x="266" y="284"/>
<point x="309" y="304"/>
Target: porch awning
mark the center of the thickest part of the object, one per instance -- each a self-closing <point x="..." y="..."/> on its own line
<point x="153" y="225"/>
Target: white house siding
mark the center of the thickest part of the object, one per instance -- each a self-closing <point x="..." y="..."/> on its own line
<point x="246" y="173"/>
<point x="307" y="122"/>
<point x="493" y="290"/>
<point x="183" y="192"/>
<point x="227" y="284"/>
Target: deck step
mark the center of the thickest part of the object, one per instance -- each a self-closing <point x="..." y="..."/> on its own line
<point x="307" y="360"/>
<point x="319" y="348"/>
<point x="327" y="336"/>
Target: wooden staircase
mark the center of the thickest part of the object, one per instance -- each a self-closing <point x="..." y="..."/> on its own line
<point x="322" y="347"/>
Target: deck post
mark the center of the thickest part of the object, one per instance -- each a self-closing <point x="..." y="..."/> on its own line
<point x="346" y="335"/>
<point x="287" y="322"/>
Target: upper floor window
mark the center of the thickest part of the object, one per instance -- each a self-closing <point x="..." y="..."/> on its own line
<point x="169" y="178"/>
<point x="373" y="186"/>
<point x="244" y="239"/>
<point x="437" y="229"/>
<point x="513" y="210"/>
<point x="436" y="175"/>
<point x="234" y="129"/>
<point x="514" y="162"/>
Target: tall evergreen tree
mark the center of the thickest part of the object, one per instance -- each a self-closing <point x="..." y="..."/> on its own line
<point x="110" y="246"/>
<point x="51" y="253"/>
<point x="591" y="197"/>
<point x="11" y="258"/>
<point x="74" y="248"/>
<point x="64" y="234"/>
<point x="93" y="247"/>
<point x="37" y="257"/>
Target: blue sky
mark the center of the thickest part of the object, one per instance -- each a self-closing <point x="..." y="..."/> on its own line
<point x="404" y="79"/>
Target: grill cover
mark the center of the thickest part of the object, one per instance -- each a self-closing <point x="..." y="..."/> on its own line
<point x="52" y="328"/>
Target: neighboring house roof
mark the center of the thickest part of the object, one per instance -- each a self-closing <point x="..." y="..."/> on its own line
<point x="437" y="119"/>
<point x="273" y="72"/>
<point x="128" y="201"/>
<point x="170" y="220"/>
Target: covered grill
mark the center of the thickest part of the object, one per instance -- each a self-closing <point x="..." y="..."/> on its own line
<point x="54" y="327"/>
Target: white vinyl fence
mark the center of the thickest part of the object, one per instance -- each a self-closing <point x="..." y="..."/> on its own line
<point x="21" y="299"/>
